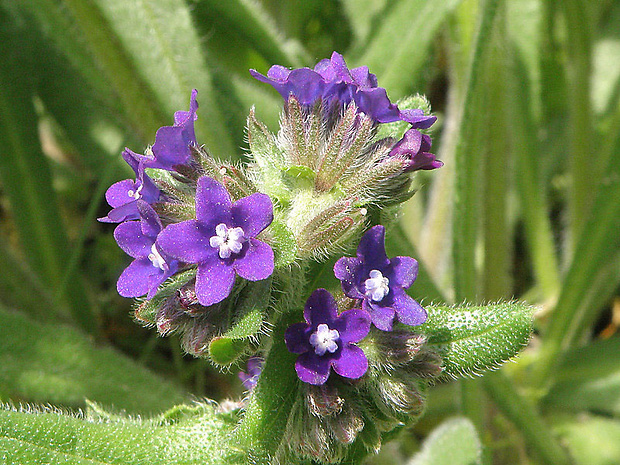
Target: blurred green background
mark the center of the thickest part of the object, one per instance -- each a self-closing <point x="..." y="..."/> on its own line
<point x="527" y="206"/>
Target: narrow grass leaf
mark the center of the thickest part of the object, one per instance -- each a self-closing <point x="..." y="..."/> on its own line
<point x="248" y="18"/>
<point x="588" y="379"/>
<point x="407" y="31"/>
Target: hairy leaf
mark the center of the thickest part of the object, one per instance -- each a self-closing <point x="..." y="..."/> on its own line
<point x="454" y="442"/>
<point x="186" y="435"/>
<point x="57" y="364"/>
<point x="592" y="440"/>
<point x="474" y="339"/>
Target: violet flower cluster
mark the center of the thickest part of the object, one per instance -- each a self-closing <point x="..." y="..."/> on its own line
<point x="221" y="252"/>
<point x="331" y="81"/>
<point x="377" y="284"/>
<point x="221" y="241"/>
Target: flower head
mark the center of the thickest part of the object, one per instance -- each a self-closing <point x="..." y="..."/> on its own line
<point x="151" y="266"/>
<point x="222" y="240"/>
<point x="173" y="143"/>
<point x="380" y="282"/>
<point x="331" y="79"/>
<point x="124" y="195"/>
<point x="249" y="379"/>
<point x="326" y="340"/>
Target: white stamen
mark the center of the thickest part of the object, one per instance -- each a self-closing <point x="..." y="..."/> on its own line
<point x="377" y="287"/>
<point x="324" y="340"/>
<point x="363" y="211"/>
<point x="135" y="194"/>
<point x="157" y="260"/>
<point x="229" y="241"/>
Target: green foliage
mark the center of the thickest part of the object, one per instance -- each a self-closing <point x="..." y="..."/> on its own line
<point x="29" y="436"/>
<point x="59" y="364"/>
<point x="473" y="339"/>
<point x="527" y="95"/>
<point x="454" y="442"/>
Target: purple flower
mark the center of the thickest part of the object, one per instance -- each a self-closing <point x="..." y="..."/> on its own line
<point x="326" y="340"/>
<point x="124" y="195"/>
<point x="415" y="146"/>
<point x="332" y="79"/>
<point x="249" y="379"/>
<point x="173" y="143"/>
<point x="380" y="282"/>
<point x="151" y="266"/>
<point x="222" y="240"/>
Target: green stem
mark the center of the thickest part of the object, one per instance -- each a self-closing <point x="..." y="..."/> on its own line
<point x="525" y="417"/>
<point x="468" y="166"/>
<point x="496" y="280"/>
<point x="583" y="169"/>
<point x="593" y="252"/>
<point x="263" y="428"/>
<point x="528" y="181"/>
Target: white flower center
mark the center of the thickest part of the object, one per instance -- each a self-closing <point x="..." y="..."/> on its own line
<point x="229" y="241"/>
<point x="157" y="260"/>
<point x="377" y="286"/>
<point x="324" y="340"/>
<point x="135" y="194"/>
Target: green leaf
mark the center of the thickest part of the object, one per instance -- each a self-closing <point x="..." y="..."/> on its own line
<point x="454" y="442"/>
<point x="26" y="176"/>
<point x="592" y="440"/>
<point x="597" y="247"/>
<point x="407" y="31"/>
<point x="56" y="364"/>
<point x="589" y="379"/>
<point x="474" y="339"/>
<point x="186" y="435"/>
<point x="249" y="310"/>
<point x="164" y="46"/>
<point x="250" y="19"/>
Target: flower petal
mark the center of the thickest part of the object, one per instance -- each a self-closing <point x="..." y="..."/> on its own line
<point x="171" y="148"/>
<point x="351" y="362"/>
<point x="252" y="213"/>
<point x="313" y="369"/>
<point x="213" y="205"/>
<point x="404" y="271"/>
<point x="256" y="263"/>
<point x="214" y="281"/>
<point x="187" y="241"/>
<point x="382" y="317"/>
<point x="371" y="249"/>
<point x="349" y="270"/>
<point x="320" y="308"/>
<point x="296" y="338"/>
<point x="126" y="212"/>
<point x="132" y="240"/>
<point x="352" y="325"/>
<point x="117" y="194"/>
<point x="134" y="280"/>
<point x="408" y="311"/>
<point x="149" y="220"/>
